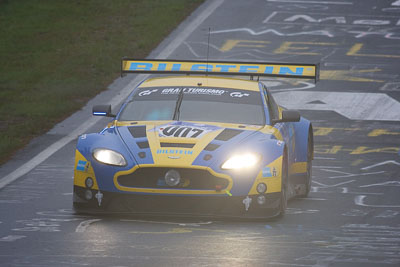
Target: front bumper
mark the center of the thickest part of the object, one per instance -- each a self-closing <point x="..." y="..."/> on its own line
<point x="187" y="205"/>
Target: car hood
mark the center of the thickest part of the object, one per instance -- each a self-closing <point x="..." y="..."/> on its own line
<point x="185" y="144"/>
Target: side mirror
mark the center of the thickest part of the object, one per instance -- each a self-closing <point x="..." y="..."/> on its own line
<point x="289" y="116"/>
<point x="102" y="110"/>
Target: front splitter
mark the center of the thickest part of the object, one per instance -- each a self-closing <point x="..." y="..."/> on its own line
<point x="172" y="205"/>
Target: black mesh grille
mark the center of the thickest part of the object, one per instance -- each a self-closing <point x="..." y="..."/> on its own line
<point x="191" y="179"/>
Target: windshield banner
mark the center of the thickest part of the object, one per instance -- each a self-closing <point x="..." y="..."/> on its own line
<point x="198" y="94"/>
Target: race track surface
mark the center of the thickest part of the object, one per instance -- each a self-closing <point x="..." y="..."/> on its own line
<point x="352" y="216"/>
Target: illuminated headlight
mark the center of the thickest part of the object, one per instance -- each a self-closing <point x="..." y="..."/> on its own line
<point x="242" y="161"/>
<point x="110" y="157"/>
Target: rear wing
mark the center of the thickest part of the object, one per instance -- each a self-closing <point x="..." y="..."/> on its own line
<point x="285" y="70"/>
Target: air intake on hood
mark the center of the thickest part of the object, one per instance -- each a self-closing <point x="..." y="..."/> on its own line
<point x="138" y="131"/>
<point x="211" y="147"/>
<point x="185" y="145"/>
<point x="227" y="134"/>
<point x="142" y="145"/>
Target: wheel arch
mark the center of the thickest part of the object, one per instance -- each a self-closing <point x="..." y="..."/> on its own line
<point x="303" y="129"/>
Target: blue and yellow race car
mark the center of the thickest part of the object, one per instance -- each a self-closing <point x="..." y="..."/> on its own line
<point x="197" y="144"/>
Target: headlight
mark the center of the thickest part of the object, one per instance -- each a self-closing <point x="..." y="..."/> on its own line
<point x="241" y="161"/>
<point x="110" y="157"/>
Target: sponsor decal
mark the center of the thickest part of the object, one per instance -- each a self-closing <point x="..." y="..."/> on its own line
<point x="82" y="165"/>
<point x="266" y="172"/>
<point x="185" y="131"/>
<point x="193" y="91"/>
<point x="220" y="67"/>
<point x="180" y="131"/>
<point x="147" y="92"/>
<point x="238" y="94"/>
<point x="175" y="151"/>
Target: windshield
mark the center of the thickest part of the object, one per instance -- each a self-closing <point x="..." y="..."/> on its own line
<point x="195" y="104"/>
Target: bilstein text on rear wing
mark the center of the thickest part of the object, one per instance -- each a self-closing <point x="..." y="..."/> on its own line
<point x="285" y="70"/>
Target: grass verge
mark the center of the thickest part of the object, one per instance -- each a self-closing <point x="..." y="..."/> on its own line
<point x="56" y="55"/>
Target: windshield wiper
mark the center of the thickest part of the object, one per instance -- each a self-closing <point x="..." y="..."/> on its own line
<point x="178" y="105"/>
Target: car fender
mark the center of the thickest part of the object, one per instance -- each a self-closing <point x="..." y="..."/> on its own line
<point x="108" y="139"/>
<point x="302" y="129"/>
<point x="268" y="171"/>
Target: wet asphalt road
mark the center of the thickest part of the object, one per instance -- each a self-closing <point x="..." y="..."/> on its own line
<point x="352" y="217"/>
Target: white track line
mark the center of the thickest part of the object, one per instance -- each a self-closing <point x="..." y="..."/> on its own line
<point x="165" y="53"/>
<point x="359" y="200"/>
<point x="381" y="164"/>
<point x="270" y="16"/>
<point x="11" y="238"/>
<point x="173" y="223"/>
<point x="84" y="225"/>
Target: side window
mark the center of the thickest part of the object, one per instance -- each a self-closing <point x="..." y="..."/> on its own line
<point x="272" y="106"/>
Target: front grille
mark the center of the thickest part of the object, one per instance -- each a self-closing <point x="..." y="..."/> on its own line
<point x="191" y="179"/>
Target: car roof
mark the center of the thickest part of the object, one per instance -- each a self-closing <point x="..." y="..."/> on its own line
<point x="203" y="81"/>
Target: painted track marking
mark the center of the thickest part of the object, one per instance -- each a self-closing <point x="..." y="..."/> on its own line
<point x="11" y="238"/>
<point x="359" y="200"/>
<point x="173" y="223"/>
<point x="84" y="225"/>
<point x="381" y="164"/>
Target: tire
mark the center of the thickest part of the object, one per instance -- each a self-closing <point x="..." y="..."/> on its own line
<point x="308" y="177"/>
<point x="77" y="209"/>
<point x="284" y="188"/>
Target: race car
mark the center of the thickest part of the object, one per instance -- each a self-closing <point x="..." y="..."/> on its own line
<point x="197" y="144"/>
